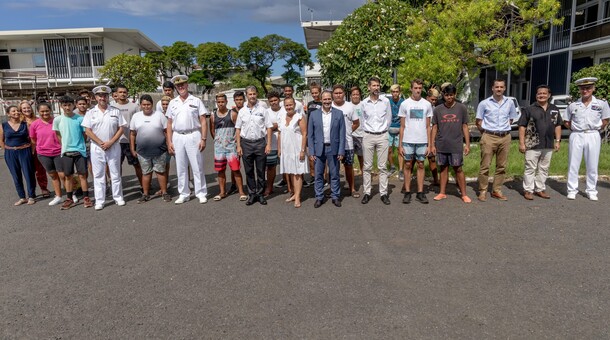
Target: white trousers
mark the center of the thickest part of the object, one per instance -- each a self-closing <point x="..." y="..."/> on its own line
<point x="370" y="144"/>
<point x="99" y="160"/>
<point x="187" y="152"/>
<point x="537" y="164"/>
<point x="589" y="144"/>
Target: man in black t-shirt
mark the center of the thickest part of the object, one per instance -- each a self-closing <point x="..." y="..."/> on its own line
<point x="449" y="130"/>
<point x="539" y="135"/>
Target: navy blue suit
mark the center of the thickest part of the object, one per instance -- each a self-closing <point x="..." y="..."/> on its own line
<point x="326" y="153"/>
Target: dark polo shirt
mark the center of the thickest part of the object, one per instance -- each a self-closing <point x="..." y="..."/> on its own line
<point x="544" y="123"/>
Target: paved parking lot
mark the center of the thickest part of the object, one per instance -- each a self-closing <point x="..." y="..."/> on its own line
<point x="513" y="269"/>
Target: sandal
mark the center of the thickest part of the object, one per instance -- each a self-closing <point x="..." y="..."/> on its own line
<point x="46" y="194"/>
<point x="31" y="201"/>
<point x="21" y="201"/>
<point x="297" y="205"/>
<point x="219" y="197"/>
<point x="355" y="194"/>
<point x="243" y="198"/>
<point x="466" y="199"/>
<point x="290" y="199"/>
<point x="439" y="197"/>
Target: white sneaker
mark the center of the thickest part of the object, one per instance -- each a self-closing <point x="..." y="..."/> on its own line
<point x="571" y="196"/>
<point x="182" y="199"/>
<point x="55" y="201"/>
<point x="120" y="203"/>
<point x="593" y="197"/>
<point x="202" y="199"/>
<point x="99" y="207"/>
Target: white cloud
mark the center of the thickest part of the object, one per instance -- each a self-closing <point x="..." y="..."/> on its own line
<point x="266" y="11"/>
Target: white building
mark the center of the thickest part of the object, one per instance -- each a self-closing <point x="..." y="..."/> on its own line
<point x="62" y="59"/>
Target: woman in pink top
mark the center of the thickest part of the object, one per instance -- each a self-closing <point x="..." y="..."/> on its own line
<point x="28" y="116"/>
<point x="48" y="147"/>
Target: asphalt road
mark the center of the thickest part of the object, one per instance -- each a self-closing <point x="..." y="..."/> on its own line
<point x="515" y="269"/>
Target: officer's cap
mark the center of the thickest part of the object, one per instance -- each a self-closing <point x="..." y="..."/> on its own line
<point x="102" y="89"/>
<point x="586" y="81"/>
<point x="179" y="79"/>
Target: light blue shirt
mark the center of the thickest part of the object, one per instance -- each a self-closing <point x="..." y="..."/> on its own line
<point x="495" y="115"/>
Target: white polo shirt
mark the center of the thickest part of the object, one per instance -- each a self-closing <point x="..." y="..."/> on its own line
<point x="185" y="114"/>
<point x="376" y="115"/>
<point x="253" y="122"/>
<point x="104" y="124"/>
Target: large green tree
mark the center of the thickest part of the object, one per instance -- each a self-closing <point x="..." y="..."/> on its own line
<point x="133" y="71"/>
<point x="453" y="39"/>
<point x="370" y="42"/>
<point x="259" y="54"/>
<point x="179" y="58"/>
<point x="216" y="61"/>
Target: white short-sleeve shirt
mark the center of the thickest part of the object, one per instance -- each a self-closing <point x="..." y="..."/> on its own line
<point x="185" y="114"/>
<point x="350" y="115"/>
<point x="253" y="122"/>
<point x="104" y="124"/>
<point x="590" y="117"/>
<point x="415" y="113"/>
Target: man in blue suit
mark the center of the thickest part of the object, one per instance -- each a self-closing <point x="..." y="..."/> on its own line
<point x="326" y="145"/>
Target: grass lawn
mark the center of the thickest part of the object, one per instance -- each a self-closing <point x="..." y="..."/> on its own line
<point x="516" y="160"/>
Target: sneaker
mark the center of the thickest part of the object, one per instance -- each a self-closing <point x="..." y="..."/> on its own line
<point x="167" y="197"/>
<point x="120" y="203"/>
<point x="407" y="198"/>
<point x="68" y="203"/>
<point x="182" y="199"/>
<point x="571" y="196"/>
<point x="309" y="183"/>
<point x="391" y="172"/>
<point x="401" y="176"/>
<point x="421" y="197"/>
<point x="280" y="184"/>
<point x="87" y="202"/>
<point x="55" y="201"/>
<point x="143" y="199"/>
<point x="593" y="197"/>
<point x="202" y="198"/>
<point x="99" y="207"/>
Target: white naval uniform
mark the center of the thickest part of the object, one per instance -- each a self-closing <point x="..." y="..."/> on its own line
<point x="186" y="137"/>
<point x="585" y="122"/>
<point x="105" y="125"/>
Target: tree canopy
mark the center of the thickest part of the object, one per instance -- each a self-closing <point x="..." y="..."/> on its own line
<point x="437" y="41"/>
<point x="133" y="71"/>
<point x="259" y="54"/>
<point x="216" y="61"/>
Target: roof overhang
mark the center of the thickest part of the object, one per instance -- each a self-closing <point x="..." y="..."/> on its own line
<point x="128" y="36"/>
<point x="318" y="31"/>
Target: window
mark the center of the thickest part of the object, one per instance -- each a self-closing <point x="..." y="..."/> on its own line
<point x="38" y="60"/>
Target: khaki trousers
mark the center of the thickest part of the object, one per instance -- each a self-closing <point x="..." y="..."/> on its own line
<point x="370" y="144"/>
<point x="537" y="164"/>
<point x="492" y="145"/>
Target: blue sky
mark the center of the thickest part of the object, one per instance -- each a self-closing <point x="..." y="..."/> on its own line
<point x="166" y="21"/>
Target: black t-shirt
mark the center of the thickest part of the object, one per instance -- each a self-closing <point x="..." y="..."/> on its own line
<point x="449" y="122"/>
<point x="312" y="106"/>
<point x="543" y="129"/>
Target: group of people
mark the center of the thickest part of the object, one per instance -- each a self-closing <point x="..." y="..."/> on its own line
<point x="314" y="139"/>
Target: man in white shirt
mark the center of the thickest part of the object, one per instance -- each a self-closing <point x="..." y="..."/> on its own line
<point x="415" y="115"/>
<point x="104" y="125"/>
<point x="586" y="117"/>
<point x="186" y="139"/>
<point x="253" y="131"/>
<point x="127" y="109"/>
<point x="377" y="116"/>
<point x="275" y="112"/>
<point x="352" y="122"/>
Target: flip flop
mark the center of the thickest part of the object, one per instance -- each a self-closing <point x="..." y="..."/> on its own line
<point x="21" y="201"/>
<point x="355" y="194"/>
<point x="290" y="199"/>
<point x="219" y="197"/>
<point x="46" y="194"/>
<point x="297" y="205"/>
<point x="439" y="197"/>
<point x="466" y="199"/>
<point x="243" y="198"/>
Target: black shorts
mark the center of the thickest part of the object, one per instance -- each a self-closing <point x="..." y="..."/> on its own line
<point x="69" y="162"/>
<point x="126" y="153"/>
<point x="51" y="164"/>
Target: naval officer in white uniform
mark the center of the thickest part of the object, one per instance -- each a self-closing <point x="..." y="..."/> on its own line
<point x="186" y="138"/>
<point x="104" y="125"/>
<point x="586" y="117"/>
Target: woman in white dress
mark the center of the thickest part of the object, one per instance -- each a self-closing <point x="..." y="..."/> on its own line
<point x="291" y="141"/>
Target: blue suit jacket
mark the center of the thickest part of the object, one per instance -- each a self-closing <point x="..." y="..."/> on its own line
<point x="315" y="133"/>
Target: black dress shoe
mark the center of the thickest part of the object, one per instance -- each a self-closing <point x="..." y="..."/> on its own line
<point x="385" y="199"/>
<point x="337" y="203"/>
<point x="262" y="200"/>
<point x="366" y="199"/>
<point x="318" y="204"/>
<point x="251" y="200"/>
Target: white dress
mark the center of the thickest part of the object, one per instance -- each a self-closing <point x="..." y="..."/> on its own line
<point x="291" y="139"/>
